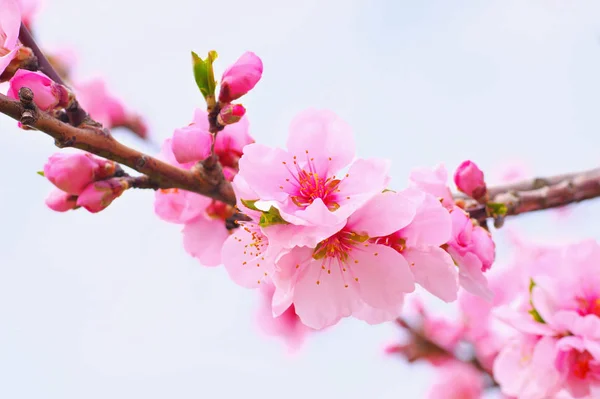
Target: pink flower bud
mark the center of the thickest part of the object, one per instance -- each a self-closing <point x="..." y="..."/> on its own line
<point x="469" y="179"/>
<point x="47" y="94"/>
<point x="191" y="143"/>
<point x="230" y="114"/>
<point x="71" y="172"/>
<point x="98" y="195"/>
<point x="60" y="201"/>
<point x="240" y="77"/>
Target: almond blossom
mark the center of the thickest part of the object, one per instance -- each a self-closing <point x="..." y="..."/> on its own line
<point x="558" y="323"/>
<point x="470" y="245"/>
<point x="345" y="273"/>
<point x="458" y="380"/>
<point x="306" y="183"/>
<point x="204" y="231"/>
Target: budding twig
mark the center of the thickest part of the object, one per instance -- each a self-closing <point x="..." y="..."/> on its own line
<point x="540" y="193"/>
<point x="210" y="183"/>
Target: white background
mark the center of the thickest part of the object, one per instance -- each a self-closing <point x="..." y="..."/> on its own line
<point x="110" y="306"/>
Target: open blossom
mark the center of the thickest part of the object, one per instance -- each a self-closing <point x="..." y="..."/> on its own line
<point x="47" y="94"/>
<point x="470" y="245"/>
<point x="241" y="77"/>
<point x="420" y="242"/>
<point x="458" y="380"/>
<point x="107" y="109"/>
<point x="204" y="230"/>
<point x="10" y="21"/>
<point x="558" y="323"/>
<point x="304" y="182"/>
<point x="286" y="326"/>
<point x="345" y="272"/>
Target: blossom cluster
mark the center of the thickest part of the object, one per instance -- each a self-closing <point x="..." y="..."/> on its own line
<point x="538" y="338"/>
<point x="325" y="229"/>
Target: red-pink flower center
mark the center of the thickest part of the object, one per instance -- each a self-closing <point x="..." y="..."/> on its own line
<point x="582" y="364"/>
<point x="393" y="241"/>
<point x="308" y="185"/>
<point x="337" y="250"/>
<point x="588" y="306"/>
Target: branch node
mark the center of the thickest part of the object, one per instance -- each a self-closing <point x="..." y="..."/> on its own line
<point x="141" y="161"/>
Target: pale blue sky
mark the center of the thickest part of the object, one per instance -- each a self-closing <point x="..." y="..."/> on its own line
<point x="110" y="306"/>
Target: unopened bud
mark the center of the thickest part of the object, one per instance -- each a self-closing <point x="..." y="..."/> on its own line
<point x="60" y="201"/>
<point x="241" y="77"/>
<point x="230" y="114"/>
<point x="469" y="179"/>
<point x="47" y="94"/>
<point x="99" y="195"/>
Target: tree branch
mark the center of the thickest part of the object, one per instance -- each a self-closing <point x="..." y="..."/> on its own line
<point x="208" y="182"/>
<point x="540" y="193"/>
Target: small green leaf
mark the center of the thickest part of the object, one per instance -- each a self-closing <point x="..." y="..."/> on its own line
<point x="271" y="217"/>
<point x="205" y="75"/>
<point x="250" y="204"/>
<point x="41" y="173"/>
<point x="533" y="312"/>
<point x="496" y="209"/>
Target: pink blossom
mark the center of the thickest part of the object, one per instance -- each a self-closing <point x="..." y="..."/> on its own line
<point x="60" y="201"/>
<point x="304" y="182"/>
<point x="192" y="143"/>
<point x="106" y="109"/>
<point x="286" y="326"/>
<point x="473" y="249"/>
<point x="458" y="380"/>
<point x="73" y="172"/>
<point x="345" y="272"/>
<point x="47" y="94"/>
<point x="420" y="242"/>
<point x="469" y="179"/>
<point x="10" y="22"/>
<point x="100" y="194"/>
<point x="470" y="246"/>
<point x="241" y="77"/>
<point x="558" y="321"/>
<point x="204" y="230"/>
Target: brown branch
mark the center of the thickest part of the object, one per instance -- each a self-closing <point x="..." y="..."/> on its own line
<point x="431" y="348"/>
<point x="540" y="193"/>
<point x="208" y="182"/>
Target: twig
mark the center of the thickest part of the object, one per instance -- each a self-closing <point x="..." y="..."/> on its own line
<point x="210" y="183"/>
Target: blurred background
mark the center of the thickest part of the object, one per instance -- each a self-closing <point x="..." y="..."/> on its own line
<point x="110" y="305"/>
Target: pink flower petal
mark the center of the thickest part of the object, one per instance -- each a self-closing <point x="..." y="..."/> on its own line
<point x="246" y="259"/>
<point x="326" y="137"/>
<point x="434" y="270"/>
<point x="383" y="275"/>
<point x="432" y="224"/>
<point x="10" y="22"/>
<point x="203" y="240"/>
<point x="191" y="144"/>
<point x="384" y="214"/>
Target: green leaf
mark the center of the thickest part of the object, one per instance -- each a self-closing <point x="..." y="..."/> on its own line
<point x="533" y="312"/>
<point x="271" y="217"/>
<point x="41" y="173"/>
<point x="205" y="75"/>
<point x="250" y="204"/>
<point x="496" y="209"/>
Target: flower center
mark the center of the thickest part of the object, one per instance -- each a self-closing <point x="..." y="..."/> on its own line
<point x="393" y="241"/>
<point x="588" y="306"/>
<point x="308" y="185"/>
<point x="582" y="364"/>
